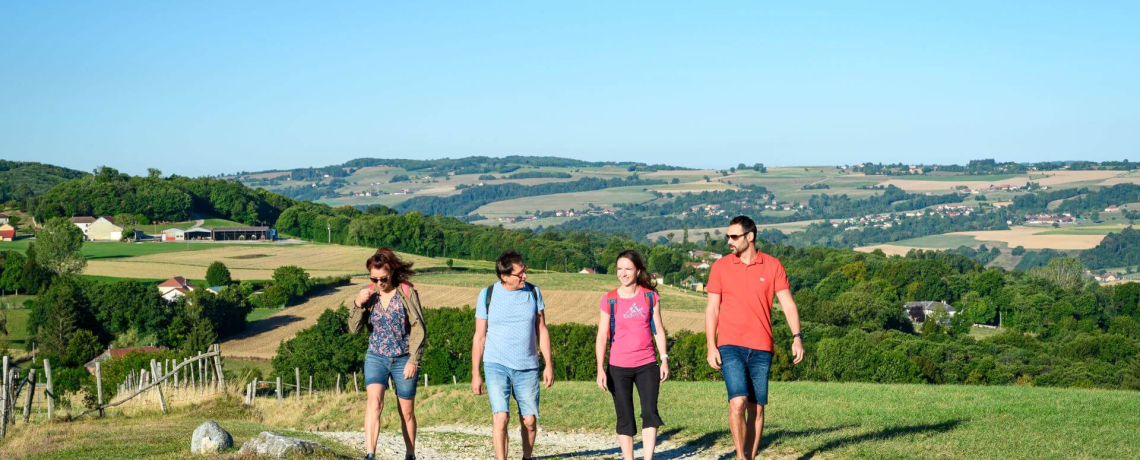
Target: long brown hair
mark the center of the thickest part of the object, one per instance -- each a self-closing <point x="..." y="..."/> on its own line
<point x="386" y="258"/>
<point x="643" y="278"/>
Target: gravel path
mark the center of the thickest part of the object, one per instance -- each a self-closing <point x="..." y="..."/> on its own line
<point x="467" y="442"/>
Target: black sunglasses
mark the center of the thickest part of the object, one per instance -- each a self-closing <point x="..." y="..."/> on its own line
<point x="380" y="280"/>
<point x="734" y="237"/>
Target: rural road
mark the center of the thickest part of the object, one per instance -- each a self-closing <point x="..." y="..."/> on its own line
<point x="451" y="442"/>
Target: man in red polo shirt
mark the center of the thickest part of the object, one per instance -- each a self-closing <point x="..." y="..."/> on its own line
<point x="738" y="325"/>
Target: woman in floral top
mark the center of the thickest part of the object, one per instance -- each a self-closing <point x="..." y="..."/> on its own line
<point x="389" y="308"/>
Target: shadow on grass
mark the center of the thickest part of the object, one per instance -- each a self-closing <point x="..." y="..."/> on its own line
<point x="883" y="435"/>
<point x="265" y="325"/>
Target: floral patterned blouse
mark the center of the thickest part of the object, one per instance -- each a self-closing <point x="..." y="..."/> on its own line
<point x="389" y="334"/>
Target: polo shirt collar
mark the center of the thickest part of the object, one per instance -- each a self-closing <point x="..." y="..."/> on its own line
<point x="756" y="260"/>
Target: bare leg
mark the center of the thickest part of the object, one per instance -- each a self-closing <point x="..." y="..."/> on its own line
<point x="529" y="432"/>
<point x="755" y="428"/>
<point x="499" y="434"/>
<point x="408" y="423"/>
<point x="736" y="413"/>
<point x="626" y="443"/>
<point x="648" y="442"/>
<point x="373" y="407"/>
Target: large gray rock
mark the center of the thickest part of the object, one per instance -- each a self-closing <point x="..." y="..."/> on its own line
<point x="210" y="438"/>
<point x="277" y="446"/>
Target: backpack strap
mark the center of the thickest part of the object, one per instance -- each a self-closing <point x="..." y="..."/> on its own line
<point x="533" y="294"/>
<point x="487" y="299"/>
<point x="650" y="297"/>
<point x="612" y="299"/>
<point x="407" y="288"/>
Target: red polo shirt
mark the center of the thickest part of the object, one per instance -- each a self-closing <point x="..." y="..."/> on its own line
<point x="746" y="293"/>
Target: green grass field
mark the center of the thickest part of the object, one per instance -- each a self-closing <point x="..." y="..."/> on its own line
<point x="945" y="241"/>
<point x="576" y="200"/>
<point x="147" y="435"/>
<point x="17" y="326"/>
<point x="809" y="420"/>
<point x="101" y="250"/>
<point x="261" y="313"/>
<point x="1089" y="230"/>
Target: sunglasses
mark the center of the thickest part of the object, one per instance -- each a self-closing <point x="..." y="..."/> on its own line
<point x="521" y="273"/>
<point x="380" y="280"/>
<point x="734" y="237"/>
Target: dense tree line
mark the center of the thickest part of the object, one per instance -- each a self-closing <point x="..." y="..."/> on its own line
<point x="20" y="180"/>
<point x="472" y="198"/>
<point x="109" y="192"/>
<point x="1115" y="250"/>
<point x="540" y="175"/>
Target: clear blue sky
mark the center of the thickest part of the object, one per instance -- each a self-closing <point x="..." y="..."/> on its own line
<point x="202" y="87"/>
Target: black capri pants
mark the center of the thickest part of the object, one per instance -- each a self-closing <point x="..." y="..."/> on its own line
<point x="620" y="381"/>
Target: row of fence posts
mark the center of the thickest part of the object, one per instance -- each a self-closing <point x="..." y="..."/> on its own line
<point x="279" y="387"/>
<point x="12" y="385"/>
<point x="201" y="373"/>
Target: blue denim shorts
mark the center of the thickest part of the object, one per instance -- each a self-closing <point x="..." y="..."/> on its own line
<point x="745" y="372"/>
<point x="379" y="369"/>
<point x="503" y="381"/>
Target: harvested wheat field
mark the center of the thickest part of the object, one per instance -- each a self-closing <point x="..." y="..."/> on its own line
<point x="891" y="250"/>
<point x="251" y="262"/>
<point x="1033" y="238"/>
<point x="261" y="339"/>
<point x="1028" y="237"/>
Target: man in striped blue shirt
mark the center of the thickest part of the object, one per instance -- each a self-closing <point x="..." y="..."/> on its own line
<point x="509" y="320"/>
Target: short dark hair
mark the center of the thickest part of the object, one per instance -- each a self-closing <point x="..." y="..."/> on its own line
<point x="506" y="263"/>
<point x="387" y="259"/>
<point x="745" y="224"/>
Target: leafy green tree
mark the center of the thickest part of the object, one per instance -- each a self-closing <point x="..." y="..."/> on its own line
<point x="292" y="280"/>
<point x="218" y="275"/>
<point x="58" y="247"/>
<point x="199" y="337"/>
<point x="82" y="347"/>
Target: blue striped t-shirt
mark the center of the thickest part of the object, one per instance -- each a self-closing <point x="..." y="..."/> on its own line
<point x="510" y="327"/>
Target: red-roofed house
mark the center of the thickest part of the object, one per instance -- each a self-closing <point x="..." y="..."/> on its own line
<point x="118" y="353"/>
<point x="175" y="287"/>
<point x="7" y="232"/>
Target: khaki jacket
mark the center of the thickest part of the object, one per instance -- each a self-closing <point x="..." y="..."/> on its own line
<point x="416" y="328"/>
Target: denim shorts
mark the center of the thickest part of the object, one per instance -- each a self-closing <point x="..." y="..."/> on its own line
<point x="503" y="381"/>
<point x="745" y="372"/>
<point x="378" y="369"/>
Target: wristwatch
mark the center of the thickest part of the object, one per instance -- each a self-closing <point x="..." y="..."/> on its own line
<point x="798" y="334"/>
<point x="664" y="357"/>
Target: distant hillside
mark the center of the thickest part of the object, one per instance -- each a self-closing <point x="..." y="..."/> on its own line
<point x="467" y="165"/>
<point x="175" y="198"/>
<point x="22" y="180"/>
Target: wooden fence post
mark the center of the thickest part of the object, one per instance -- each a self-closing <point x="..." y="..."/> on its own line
<point x="278" y="388"/>
<point x="355" y="386"/>
<point x="310" y="386"/>
<point x="49" y="391"/>
<point x="5" y="394"/>
<point x="99" y="385"/>
<point x="297" y="388"/>
<point x="218" y="367"/>
<point x="338" y="384"/>
<point x="31" y="394"/>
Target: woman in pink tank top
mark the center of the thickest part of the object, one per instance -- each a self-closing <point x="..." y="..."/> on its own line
<point x="630" y="324"/>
